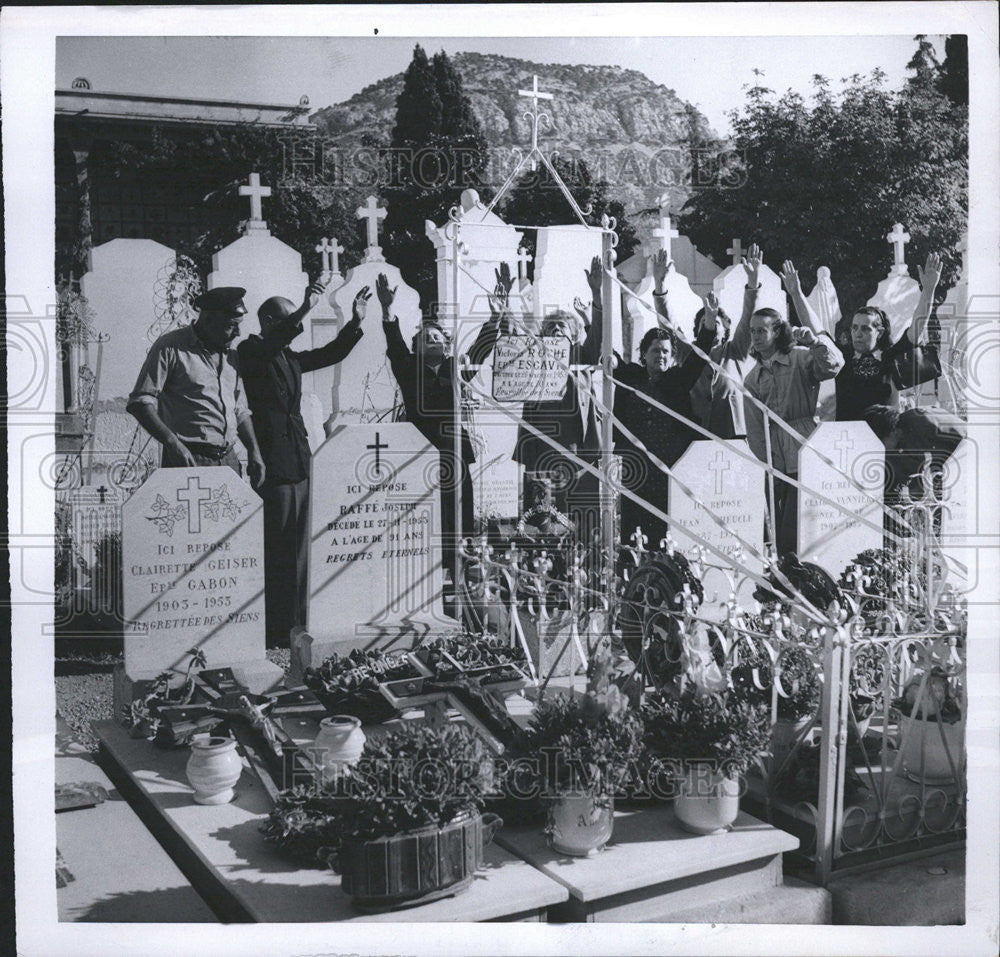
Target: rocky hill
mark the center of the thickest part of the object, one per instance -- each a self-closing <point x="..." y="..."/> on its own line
<point x="629" y="130"/>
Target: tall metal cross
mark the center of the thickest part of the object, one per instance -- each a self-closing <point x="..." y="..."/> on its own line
<point x="899" y="238"/>
<point x="371" y="212"/>
<point x="256" y="192"/>
<point x="194" y="495"/>
<point x="844" y="445"/>
<point x="534" y="94"/>
<point x="736" y="251"/>
<point x="378" y="445"/>
<point x="719" y="467"/>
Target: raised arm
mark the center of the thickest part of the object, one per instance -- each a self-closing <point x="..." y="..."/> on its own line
<point x="257" y="351"/>
<point x="395" y="348"/>
<point x="825" y="359"/>
<point x="807" y="317"/>
<point x="590" y="353"/>
<point x="338" y="349"/>
<point x="691" y="368"/>
<point x="929" y="277"/>
<point x="661" y="266"/>
<point x="739" y="345"/>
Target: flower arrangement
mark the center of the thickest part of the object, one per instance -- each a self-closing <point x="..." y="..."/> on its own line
<point x="419" y="776"/>
<point x="141" y="715"/>
<point x="448" y="655"/>
<point x="798" y="682"/>
<point x="720" y="728"/>
<point x="349" y="684"/>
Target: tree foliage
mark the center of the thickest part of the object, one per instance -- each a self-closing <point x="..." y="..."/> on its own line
<point x="437" y="150"/>
<point x="822" y="182"/>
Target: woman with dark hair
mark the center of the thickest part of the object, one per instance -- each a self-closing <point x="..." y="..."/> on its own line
<point x="866" y="378"/>
<point x="659" y="376"/>
<point x="791" y="363"/>
<point x="715" y="397"/>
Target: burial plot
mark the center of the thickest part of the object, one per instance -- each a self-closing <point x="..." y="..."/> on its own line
<point x="375" y="575"/>
<point x="831" y="535"/>
<point x="193" y="577"/>
<point x="731" y="488"/>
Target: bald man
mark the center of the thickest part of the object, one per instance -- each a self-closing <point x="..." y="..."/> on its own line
<point x="272" y="376"/>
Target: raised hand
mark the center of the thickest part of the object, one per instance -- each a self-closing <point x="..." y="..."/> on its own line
<point x="803" y="336"/>
<point x="359" y="308"/>
<point x="386" y="296"/>
<point x="313" y="291"/>
<point x="661" y="266"/>
<point x="711" y="316"/>
<point x="930" y="274"/>
<point x="790" y="277"/>
<point x="504" y="282"/>
<point x="751" y="263"/>
<point x="595" y="277"/>
<point x="580" y="308"/>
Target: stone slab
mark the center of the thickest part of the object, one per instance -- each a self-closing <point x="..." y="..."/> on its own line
<point x="647" y="851"/>
<point x="193" y="571"/>
<point x="142" y="884"/>
<point x="374" y="516"/>
<point x="229" y="859"/>
<point x="792" y="902"/>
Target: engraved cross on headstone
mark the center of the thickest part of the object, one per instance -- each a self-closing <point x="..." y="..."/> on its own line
<point x="719" y="467"/>
<point x="377" y="445"/>
<point x="102" y="491"/>
<point x="194" y="495"/>
<point x="844" y="445"/>
<point x="736" y="251"/>
<point x="899" y="238"/>
<point x="256" y="192"/>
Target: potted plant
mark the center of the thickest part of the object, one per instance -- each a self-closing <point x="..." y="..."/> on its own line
<point x="349" y="684"/>
<point x="708" y="739"/>
<point x="869" y="667"/>
<point x="583" y="747"/>
<point x="932" y="722"/>
<point x="403" y="826"/>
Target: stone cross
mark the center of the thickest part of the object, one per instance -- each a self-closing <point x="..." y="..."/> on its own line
<point x="256" y="192"/>
<point x="736" y="251"/>
<point x="523" y="258"/>
<point x="664" y="233"/>
<point x="372" y="212"/>
<point x="194" y="495"/>
<point x="899" y="239"/>
<point x="330" y="250"/>
<point x="719" y="467"/>
<point x="844" y="445"/>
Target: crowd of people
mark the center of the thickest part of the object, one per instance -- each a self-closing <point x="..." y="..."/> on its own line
<point x="196" y="395"/>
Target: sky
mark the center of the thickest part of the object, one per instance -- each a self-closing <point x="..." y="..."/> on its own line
<point x="710" y="72"/>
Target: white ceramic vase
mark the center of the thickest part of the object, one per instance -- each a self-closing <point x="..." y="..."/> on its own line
<point x="581" y="825"/>
<point x="213" y="768"/>
<point x="338" y="745"/>
<point x="706" y="802"/>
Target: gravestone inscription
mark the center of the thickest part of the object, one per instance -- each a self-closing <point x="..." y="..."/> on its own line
<point x="530" y="368"/>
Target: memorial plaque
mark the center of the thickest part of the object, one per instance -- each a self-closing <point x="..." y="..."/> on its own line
<point x="192" y="570"/>
<point x="375" y="575"/>
<point x="731" y="488"/>
<point x="832" y="534"/>
<point x="530" y="368"/>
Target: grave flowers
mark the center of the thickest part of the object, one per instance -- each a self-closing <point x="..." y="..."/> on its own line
<point x="142" y="716"/>
<point x="584" y="747"/>
<point x="707" y="739"/>
<point x="349" y="684"/>
<point x="404" y="827"/>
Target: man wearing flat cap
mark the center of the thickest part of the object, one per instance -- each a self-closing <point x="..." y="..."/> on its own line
<point x="272" y="374"/>
<point x="189" y="396"/>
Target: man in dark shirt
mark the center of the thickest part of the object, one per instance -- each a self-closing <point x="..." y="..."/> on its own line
<point x="426" y="379"/>
<point x="272" y="376"/>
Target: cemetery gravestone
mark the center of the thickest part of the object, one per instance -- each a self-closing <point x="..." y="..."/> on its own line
<point x="731" y="283"/>
<point x="731" y="488"/>
<point x="530" y="368"/>
<point x="897" y="295"/>
<point x="831" y="535"/>
<point x="193" y="576"/>
<point x="95" y="516"/>
<point x="375" y="575"/>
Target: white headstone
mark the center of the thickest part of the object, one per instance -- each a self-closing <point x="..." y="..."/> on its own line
<point x="828" y="535"/>
<point x="898" y="294"/>
<point x="326" y="321"/>
<point x="95" y="513"/>
<point x="731" y="283"/>
<point x="375" y="574"/>
<point x="193" y="572"/>
<point x="486" y="242"/>
<point x="120" y="288"/>
<point x="731" y="488"/>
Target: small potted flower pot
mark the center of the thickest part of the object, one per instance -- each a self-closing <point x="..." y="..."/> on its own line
<point x="580" y="825"/>
<point x="213" y="768"/>
<point x="338" y="745"/>
<point x="926" y="748"/>
<point x="706" y="802"/>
